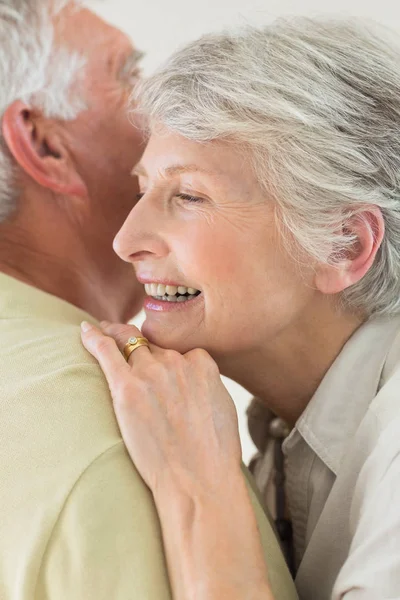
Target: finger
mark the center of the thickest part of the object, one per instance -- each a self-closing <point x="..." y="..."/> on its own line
<point x="121" y="333"/>
<point x="105" y="351"/>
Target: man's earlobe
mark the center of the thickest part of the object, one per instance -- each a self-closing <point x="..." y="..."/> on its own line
<point x="38" y="151"/>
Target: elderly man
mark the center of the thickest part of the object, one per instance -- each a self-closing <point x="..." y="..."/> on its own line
<point x="76" y="520"/>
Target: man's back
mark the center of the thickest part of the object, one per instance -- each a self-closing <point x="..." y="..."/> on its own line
<point x="76" y="520"/>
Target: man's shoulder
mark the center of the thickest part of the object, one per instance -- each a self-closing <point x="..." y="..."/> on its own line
<point x="57" y="411"/>
<point x="45" y="362"/>
<point x="65" y="469"/>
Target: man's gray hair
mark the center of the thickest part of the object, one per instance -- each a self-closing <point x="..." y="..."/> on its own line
<point x="33" y="69"/>
<point x="315" y="104"/>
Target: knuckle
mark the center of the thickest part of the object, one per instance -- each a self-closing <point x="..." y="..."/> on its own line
<point x="153" y="372"/>
<point x="199" y="354"/>
<point x="124" y="393"/>
<point x="202" y="358"/>
<point x="172" y="357"/>
<point x="124" y="387"/>
<point x="116" y="333"/>
<point x="114" y="329"/>
<point x="103" y="344"/>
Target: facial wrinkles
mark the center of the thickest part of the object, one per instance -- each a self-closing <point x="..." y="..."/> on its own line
<point x="242" y="216"/>
<point x="229" y="193"/>
<point x="238" y="211"/>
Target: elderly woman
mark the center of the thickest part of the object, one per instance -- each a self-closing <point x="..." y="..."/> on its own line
<point x="267" y="236"/>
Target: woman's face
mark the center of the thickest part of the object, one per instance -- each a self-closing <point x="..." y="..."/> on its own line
<point x="203" y="223"/>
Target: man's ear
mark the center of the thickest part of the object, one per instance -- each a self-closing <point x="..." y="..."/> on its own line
<point x="367" y="228"/>
<point x="38" y="150"/>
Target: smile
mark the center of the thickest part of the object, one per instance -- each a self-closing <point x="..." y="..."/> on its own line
<point x="171" y="293"/>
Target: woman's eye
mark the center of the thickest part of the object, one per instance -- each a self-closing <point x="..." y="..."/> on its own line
<point x="189" y="198"/>
<point x="186" y="197"/>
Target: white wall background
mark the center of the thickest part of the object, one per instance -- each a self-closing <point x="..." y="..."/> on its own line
<point x="158" y="27"/>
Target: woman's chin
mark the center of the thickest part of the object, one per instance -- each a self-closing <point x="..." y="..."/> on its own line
<point x="170" y="340"/>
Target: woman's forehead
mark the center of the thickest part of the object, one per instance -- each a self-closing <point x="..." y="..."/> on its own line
<point x="176" y="155"/>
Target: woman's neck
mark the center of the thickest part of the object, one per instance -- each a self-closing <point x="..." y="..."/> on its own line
<point x="285" y="372"/>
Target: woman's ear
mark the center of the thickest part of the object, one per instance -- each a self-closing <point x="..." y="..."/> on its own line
<point x="35" y="145"/>
<point x="367" y="228"/>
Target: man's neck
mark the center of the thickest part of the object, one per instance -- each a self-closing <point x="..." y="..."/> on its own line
<point x="285" y="373"/>
<point x="66" y="273"/>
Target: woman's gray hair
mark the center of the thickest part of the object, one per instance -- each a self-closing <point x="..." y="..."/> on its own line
<point x="315" y="104"/>
<point x="35" y="70"/>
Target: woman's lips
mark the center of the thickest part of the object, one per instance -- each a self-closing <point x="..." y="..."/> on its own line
<point x="152" y="304"/>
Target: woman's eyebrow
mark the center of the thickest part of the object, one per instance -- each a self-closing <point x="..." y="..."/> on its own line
<point x="140" y="171"/>
<point x="178" y="169"/>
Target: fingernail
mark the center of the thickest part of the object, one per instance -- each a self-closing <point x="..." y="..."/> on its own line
<point x="85" y="326"/>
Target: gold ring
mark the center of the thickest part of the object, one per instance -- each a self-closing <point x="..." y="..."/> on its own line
<point x="133" y="344"/>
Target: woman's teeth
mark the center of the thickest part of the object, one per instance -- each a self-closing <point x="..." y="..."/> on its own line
<point x="170" y="293"/>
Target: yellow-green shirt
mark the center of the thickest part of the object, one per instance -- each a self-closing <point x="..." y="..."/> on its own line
<point x="76" y="520"/>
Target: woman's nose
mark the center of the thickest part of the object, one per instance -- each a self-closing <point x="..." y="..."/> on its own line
<point x="141" y="235"/>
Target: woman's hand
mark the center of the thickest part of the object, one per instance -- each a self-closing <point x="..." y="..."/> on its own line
<point x="180" y="427"/>
<point x="176" y="417"/>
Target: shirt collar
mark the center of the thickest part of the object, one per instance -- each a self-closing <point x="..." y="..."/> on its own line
<point x="20" y="300"/>
<point x="341" y="400"/>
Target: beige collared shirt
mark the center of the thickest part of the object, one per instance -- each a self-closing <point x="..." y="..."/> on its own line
<point x="343" y="473"/>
